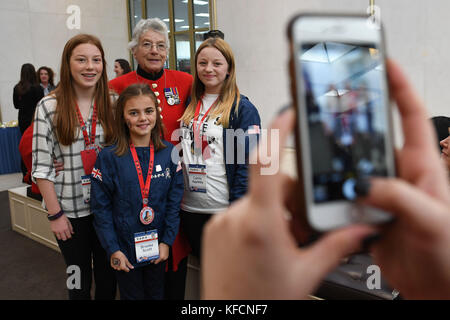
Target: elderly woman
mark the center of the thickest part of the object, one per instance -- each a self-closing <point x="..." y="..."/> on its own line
<point x="150" y="47"/>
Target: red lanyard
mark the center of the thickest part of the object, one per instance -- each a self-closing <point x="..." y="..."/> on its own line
<point x="196" y="128"/>
<point x="88" y="143"/>
<point x="145" y="189"/>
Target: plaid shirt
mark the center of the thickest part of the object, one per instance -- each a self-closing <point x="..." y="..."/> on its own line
<point x="46" y="148"/>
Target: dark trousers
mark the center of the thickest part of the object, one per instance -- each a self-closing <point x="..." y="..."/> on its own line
<point x="84" y="253"/>
<point x="175" y="282"/>
<point x="142" y="283"/>
<point x="193" y="224"/>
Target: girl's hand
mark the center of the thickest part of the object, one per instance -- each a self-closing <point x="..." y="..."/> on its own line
<point x="59" y="166"/>
<point x="120" y="262"/>
<point x="163" y="253"/>
<point x="62" y="228"/>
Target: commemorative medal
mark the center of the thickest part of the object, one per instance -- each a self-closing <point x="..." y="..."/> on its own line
<point x="147" y="215"/>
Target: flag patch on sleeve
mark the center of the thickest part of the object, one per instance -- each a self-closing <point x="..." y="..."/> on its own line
<point x="96" y="173"/>
<point x="253" y="129"/>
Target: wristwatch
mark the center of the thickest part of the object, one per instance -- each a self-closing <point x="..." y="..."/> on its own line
<point x="52" y="217"/>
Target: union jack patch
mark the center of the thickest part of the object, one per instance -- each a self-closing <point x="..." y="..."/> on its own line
<point x="97" y="174"/>
<point x="253" y="130"/>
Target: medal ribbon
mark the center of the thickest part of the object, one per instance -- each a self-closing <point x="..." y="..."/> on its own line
<point x="195" y="127"/>
<point x="88" y="142"/>
<point x="145" y="188"/>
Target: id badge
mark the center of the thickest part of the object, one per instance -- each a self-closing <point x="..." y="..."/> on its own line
<point x="88" y="157"/>
<point x="146" y="244"/>
<point x="86" y="186"/>
<point x="197" y="178"/>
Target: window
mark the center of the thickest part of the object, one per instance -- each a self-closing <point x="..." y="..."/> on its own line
<point x="187" y="21"/>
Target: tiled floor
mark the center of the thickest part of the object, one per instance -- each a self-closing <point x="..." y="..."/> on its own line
<point x="8" y="181"/>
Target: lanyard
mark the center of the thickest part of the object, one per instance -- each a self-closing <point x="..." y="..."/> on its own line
<point x="145" y="189"/>
<point x="87" y="142"/>
<point x="195" y="127"/>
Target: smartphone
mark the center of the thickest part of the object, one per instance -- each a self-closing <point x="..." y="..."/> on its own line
<point x="344" y="122"/>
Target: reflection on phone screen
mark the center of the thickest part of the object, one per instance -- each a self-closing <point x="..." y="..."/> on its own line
<point x="346" y="115"/>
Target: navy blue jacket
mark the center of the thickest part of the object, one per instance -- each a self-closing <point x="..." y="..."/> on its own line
<point x="237" y="147"/>
<point x="116" y="199"/>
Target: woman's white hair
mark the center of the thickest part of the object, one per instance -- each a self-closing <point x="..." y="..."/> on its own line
<point x="154" y="24"/>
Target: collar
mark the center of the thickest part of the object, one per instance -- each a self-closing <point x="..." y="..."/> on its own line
<point x="141" y="72"/>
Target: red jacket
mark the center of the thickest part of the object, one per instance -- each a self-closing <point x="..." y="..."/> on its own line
<point x="175" y="82"/>
<point x="25" y="149"/>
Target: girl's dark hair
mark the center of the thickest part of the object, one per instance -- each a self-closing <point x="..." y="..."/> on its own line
<point x="50" y="72"/>
<point x="27" y="78"/>
<point x="124" y="65"/>
<point x="122" y="133"/>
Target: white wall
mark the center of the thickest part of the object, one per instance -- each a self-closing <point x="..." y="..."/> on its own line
<point x="35" y="31"/>
<point x="416" y="33"/>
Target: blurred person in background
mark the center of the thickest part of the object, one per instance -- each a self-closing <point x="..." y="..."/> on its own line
<point x="45" y="76"/>
<point x="121" y="67"/>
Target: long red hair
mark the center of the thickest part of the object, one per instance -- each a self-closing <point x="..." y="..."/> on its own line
<point x="66" y="120"/>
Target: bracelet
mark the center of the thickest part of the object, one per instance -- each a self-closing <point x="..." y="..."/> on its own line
<point x="52" y="217"/>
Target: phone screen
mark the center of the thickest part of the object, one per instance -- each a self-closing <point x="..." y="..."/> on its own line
<point x="344" y="84"/>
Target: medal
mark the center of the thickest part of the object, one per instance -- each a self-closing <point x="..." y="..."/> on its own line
<point x="172" y="96"/>
<point x="147" y="214"/>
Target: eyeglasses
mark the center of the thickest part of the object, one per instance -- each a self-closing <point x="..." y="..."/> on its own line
<point x="149" y="45"/>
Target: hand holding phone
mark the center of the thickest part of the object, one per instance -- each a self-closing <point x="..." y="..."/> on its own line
<point x="344" y="131"/>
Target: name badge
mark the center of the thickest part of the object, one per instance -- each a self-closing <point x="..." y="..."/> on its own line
<point x="86" y="187"/>
<point x="197" y="178"/>
<point x="146" y="244"/>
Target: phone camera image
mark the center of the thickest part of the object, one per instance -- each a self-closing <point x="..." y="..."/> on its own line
<point x="343" y="86"/>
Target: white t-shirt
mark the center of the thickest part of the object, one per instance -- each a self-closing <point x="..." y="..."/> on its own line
<point x="215" y="199"/>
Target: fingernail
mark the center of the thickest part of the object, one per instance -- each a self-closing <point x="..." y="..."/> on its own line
<point x="362" y="186"/>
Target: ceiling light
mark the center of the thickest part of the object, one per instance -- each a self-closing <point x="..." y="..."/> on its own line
<point x="197" y="2"/>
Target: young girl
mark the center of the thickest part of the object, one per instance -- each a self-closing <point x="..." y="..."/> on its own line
<point x="70" y="125"/>
<point x="217" y="128"/>
<point x="136" y="195"/>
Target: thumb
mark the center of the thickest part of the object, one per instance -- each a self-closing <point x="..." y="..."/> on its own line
<point x="128" y="264"/>
<point x="404" y="201"/>
<point x="326" y="253"/>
